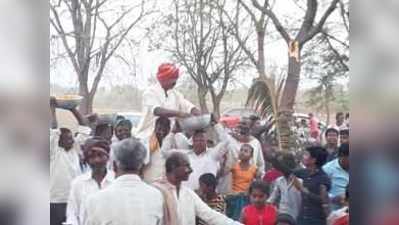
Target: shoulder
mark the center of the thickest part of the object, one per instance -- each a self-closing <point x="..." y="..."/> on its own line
<point x="79" y="180"/>
<point x="152" y="191"/>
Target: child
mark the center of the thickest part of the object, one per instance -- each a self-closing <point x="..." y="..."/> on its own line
<point x="243" y="173"/>
<point x="284" y="194"/>
<point x="208" y="194"/>
<point x="259" y="212"/>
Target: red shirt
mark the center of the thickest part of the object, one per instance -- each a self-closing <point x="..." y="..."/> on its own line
<point x="271" y="175"/>
<point x="265" y="216"/>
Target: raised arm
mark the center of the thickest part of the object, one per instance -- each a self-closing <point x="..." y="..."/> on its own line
<point x="163" y="112"/>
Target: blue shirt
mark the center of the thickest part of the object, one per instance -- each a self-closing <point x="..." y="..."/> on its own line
<point x="339" y="178"/>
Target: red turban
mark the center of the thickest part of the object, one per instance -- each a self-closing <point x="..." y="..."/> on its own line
<point x="167" y="72"/>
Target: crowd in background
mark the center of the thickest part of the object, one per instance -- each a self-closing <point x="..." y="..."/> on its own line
<point x="163" y="174"/>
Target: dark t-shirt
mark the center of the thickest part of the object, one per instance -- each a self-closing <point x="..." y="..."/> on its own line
<point x="311" y="208"/>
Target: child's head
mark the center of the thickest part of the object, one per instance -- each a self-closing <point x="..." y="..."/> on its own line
<point x="66" y="139"/>
<point x="258" y="193"/>
<point x="285" y="219"/>
<point x="207" y="183"/>
<point x="246" y="152"/>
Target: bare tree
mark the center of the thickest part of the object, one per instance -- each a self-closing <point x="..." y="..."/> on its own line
<point x="91" y="31"/>
<point x="204" y="47"/>
<point x="308" y="29"/>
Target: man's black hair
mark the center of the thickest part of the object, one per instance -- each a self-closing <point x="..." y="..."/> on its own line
<point x="331" y="129"/>
<point x="319" y="153"/>
<point x="208" y="179"/>
<point x="173" y="161"/>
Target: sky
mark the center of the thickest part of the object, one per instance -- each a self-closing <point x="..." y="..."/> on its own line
<point x="147" y="61"/>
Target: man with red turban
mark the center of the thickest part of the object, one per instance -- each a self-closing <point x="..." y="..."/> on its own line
<point x="162" y="100"/>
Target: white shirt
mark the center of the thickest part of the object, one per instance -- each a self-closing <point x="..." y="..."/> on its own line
<point x="127" y="201"/>
<point x="189" y="206"/>
<point x="64" y="167"/>
<point x="206" y="162"/>
<point x="155" y="97"/>
<point x="82" y="187"/>
<point x="290" y="197"/>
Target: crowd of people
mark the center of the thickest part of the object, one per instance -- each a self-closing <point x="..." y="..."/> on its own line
<point x="105" y="174"/>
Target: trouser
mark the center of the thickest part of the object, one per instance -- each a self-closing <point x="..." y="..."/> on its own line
<point x="57" y="213"/>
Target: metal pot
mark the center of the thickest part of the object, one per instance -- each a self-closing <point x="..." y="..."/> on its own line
<point x="196" y="122"/>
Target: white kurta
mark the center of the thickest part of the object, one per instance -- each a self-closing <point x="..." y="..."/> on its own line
<point x="190" y="206"/>
<point x="206" y="162"/>
<point x="83" y="186"/>
<point x="64" y="167"/>
<point x="155" y="97"/>
<point x="127" y="201"/>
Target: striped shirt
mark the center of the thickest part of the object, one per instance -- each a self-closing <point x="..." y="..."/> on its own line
<point x="218" y="204"/>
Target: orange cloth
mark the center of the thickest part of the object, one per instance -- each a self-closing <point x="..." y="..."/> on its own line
<point x="167" y="71"/>
<point x="242" y="179"/>
<point x="154" y="144"/>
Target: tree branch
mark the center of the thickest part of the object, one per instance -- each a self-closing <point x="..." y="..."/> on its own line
<point x="277" y="24"/>
<point x="316" y="29"/>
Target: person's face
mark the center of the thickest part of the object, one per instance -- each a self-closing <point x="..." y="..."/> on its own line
<point x="161" y="131"/>
<point x="258" y="198"/>
<point x="344" y="138"/>
<point x="244" y="126"/>
<point x="245" y="153"/>
<point x="122" y="132"/>
<point x="303" y="123"/>
<point x="307" y="159"/>
<point x="344" y="161"/>
<point x="340" y="119"/>
<point x="183" y="172"/>
<point x="205" y="189"/>
<point x="168" y="84"/>
<point x="66" y="140"/>
<point x="97" y="158"/>
<point x="332" y="138"/>
<point x="199" y="143"/>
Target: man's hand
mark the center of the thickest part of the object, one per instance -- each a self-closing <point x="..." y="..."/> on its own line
<point x="297" y="184"/>
<point x="183" y="115"/>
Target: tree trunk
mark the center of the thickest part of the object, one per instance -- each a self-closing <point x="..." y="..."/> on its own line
<point x="288" y="102"/>
<point x="86" y="106"/>
<point x="201" y="92"/>
<point x="216" y="106"/>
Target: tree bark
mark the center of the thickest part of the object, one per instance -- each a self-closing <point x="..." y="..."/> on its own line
<point x="201" y="92"/>
<point x="288" y="101"/>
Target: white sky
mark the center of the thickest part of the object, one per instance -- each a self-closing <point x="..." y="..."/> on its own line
<point x="147" y="61"/>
